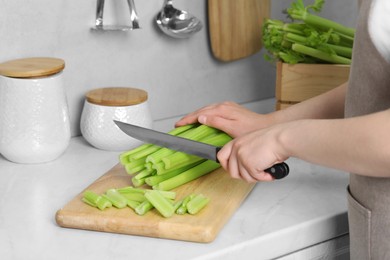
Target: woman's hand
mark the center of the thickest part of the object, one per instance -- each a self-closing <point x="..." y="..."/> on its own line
<point x="246" y="157"/>
<point x="229" y="117"/>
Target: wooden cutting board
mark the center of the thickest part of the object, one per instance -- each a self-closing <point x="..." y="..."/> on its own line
<point x="235" y="27"/>
<point x="226" y="195"/>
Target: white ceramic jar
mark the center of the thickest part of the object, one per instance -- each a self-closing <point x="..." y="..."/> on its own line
<point x="34" y="117"/>
<point x="103" y="105"/>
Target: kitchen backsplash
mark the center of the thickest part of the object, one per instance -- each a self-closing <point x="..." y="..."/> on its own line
<point x="180" y="75"/>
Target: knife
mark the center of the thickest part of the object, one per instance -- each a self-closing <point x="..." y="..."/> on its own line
<point x="177" y="143"/>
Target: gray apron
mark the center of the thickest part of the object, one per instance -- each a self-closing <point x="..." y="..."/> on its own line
<point x="368" y="197"/>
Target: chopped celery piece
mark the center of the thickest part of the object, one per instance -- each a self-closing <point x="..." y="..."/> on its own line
<point x="143" y="208"/>
<point x="168" y="194"/>
<point x="133" y="204"/>
<point x="162" y="204"/>
<point x="177" y="205"/>
<point x="130" y="189"/>
<point x="103" y="203"/>
<point x="187" y="176"/>
<point x="95" y="200"/>
<point x="197" y="203"/>
<point x="88" y="202"/>
<point x="183" y="207"/>
<point x="139" y="197"/>
<point x="143" y="174"/>
<point x="139" y="179"/>
<point x="116" y="198"/>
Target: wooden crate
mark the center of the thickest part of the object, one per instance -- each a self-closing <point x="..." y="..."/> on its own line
<point x="298" y="82"/>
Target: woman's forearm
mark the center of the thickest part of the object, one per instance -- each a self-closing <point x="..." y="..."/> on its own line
<point x="327" y="105"/>
<point x="360" y="144"/>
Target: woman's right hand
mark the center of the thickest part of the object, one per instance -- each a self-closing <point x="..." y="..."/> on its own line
<point x="229" y="117"/>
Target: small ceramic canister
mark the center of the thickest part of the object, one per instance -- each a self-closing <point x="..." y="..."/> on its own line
<point x="34" y="117"/>
<point x="104" y="105"/>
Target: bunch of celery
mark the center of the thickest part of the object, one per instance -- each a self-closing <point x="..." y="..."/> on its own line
<point x="313" y="39"/>
<point x="143" y="200"/>
<point x="166" y="169"/>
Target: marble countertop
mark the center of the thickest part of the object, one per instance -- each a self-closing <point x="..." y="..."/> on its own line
<point x="277" y="218"/>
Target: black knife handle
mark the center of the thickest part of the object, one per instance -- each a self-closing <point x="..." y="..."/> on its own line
<point x="279" y="170"/>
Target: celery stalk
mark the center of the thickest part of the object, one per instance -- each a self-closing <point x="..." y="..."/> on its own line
<point x="199" y="132"/>
<point x="153" y="148"/>
<point x="183" y="207"/>
<point x="156" y="179"/>
<point x="320" y="54"/>
<point x="145" y="152"/>
<point x="115" y="198"/>
<point x="138" y="182"/>
<point x="130" y="189"/>
<point x="143" y="161"/>
<point x="144" y="173"/>
<point x="96" y="200"/>
<point x="143" y="208"/>
<point x="168" y="194"/>
<point x="135" y="166"/>
<point x="134" y="197"/>
<point x="177" y="205"/>
<point x="159" y="155"/>
<point x="133" y="204"/>
<point x="178" y="160"/>
<point x="181" y="129"/>
<point x="148" y="165"/>
<point x="163" y="205"/>
<point x="187" y="176"/>
<point x="322" y="23"/>
<point x="124" y="157"/>
<point x="197" y="203"/>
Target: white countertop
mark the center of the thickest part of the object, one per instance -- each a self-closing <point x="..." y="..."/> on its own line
<point x="306" y="208"/>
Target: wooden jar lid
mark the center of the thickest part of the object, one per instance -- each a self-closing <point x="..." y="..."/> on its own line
<point x="117" y="96"/>
<point x="31" y="67"/>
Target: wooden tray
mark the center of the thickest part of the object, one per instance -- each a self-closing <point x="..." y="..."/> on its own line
<point x="298" y="82"/>
<point x="226" y="195"/>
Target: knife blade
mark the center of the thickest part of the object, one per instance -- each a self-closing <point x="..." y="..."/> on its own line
<point x="177" y="143"/>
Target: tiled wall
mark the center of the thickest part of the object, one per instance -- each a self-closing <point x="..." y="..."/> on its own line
<point x="179" y="75"/>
